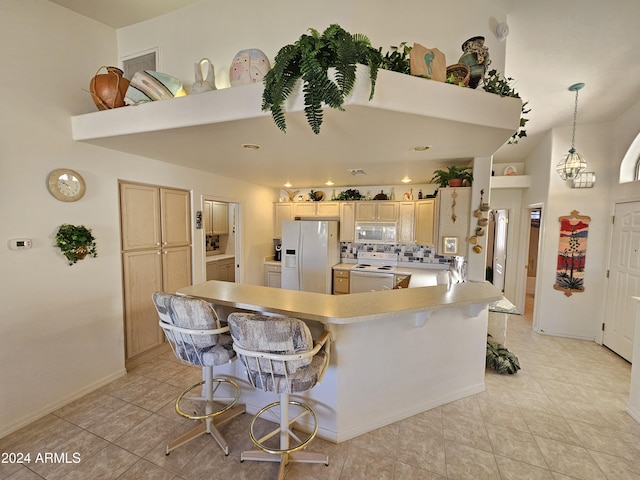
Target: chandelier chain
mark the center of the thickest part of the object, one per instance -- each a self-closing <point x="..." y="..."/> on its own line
<point x="575" y="116"/>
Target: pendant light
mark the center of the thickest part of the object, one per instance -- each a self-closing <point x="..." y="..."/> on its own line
<point x="573" y="163"/>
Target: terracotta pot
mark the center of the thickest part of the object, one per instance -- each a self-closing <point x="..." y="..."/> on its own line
<point x="108" y="89"/>
<point x="455" y="182"/>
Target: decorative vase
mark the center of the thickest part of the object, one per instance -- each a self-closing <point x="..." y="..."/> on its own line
<point x="248" y="66"/>
<point x="203" y="84"/>
<point x="108" y="89"/>
<point x="476" y="56"/>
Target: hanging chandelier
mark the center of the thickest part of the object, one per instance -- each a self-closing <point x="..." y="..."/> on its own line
<point x="573" y="163"/>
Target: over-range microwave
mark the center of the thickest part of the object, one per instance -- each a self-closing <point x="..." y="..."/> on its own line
<point x="376" y="232"/>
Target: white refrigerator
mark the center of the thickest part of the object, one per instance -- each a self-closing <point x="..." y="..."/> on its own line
<point x="310" y="248"/>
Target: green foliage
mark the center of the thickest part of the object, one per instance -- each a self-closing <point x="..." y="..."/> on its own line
<point x="495" y="83"/>
<point x="70" y="238"/>
<point x="442" y="177"/>
<point x="397" y="59"/>
<point x="501" y="359"/>
<point x="309" y="59"/>
<point x="350" y="194"/>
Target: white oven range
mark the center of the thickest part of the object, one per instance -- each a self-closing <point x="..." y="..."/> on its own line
<point x="374" y="271"/>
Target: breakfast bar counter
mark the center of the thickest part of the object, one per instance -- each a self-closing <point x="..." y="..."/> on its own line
<point x="394" y="353"/>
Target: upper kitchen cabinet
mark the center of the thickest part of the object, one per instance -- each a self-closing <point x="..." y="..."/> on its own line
<point x="182" y="130"/>
<point x="377" y="211"/>
<point x="425" y="222"/>
<point x="216" y="218"/>
<point x="406" y="222"/>
<point x="347" y="221"/>
<point x="282" y="212"/>
<point x="316" y="210"/>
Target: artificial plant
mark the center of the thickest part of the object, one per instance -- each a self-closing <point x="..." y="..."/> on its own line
<point x="501" y="359"/>
<point x="309" y="59"/>
<point x="76" y="241"/>
<point x="496" y="83"/>
<point x="442" y="177"/>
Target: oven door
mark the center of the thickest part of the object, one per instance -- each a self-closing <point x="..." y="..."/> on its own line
<point x="360" y="281"/>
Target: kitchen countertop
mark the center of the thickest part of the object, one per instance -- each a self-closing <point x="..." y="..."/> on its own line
<point x="344" y="309"/>
<point x="219" y="256"/>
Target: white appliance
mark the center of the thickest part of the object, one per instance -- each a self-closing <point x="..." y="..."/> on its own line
<point x="376" y="232"/>
<point x="374" y="271"/>
<point x="309" y="251"/>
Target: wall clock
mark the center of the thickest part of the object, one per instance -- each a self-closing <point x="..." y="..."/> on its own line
<point x="66" y="185"/>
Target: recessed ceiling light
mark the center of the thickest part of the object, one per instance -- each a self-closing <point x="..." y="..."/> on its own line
<point x="356" y="171"/>
<point x="251" y="146"/>
<point x="406" y="180"/>
<point x="288" y="185"/>
<point x="421" y="148"/>
<point x="328" y="183"/>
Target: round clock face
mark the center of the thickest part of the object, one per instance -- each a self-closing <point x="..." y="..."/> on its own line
<point x="66" y="185"/>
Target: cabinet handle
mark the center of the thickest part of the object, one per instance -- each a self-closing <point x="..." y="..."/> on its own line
<point x="157" y="244"/>
<point x="164" y="244"/>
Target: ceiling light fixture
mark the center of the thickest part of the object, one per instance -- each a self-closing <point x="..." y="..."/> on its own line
<point x="251" y="146"/>
<point x="329" y="183"/>
<point x="357" y="171"/>
<point x="288" y="185"/>
<point x="406" y="180"/>
<point x="421" y="148"/>
<point x="573" y="163"/>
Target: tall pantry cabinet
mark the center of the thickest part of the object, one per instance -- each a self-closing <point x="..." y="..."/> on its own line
<point x="155" y="225"/>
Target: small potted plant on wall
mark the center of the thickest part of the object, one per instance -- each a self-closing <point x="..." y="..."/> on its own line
<point x="453" y="176"/>
<point x="76" y="242"/>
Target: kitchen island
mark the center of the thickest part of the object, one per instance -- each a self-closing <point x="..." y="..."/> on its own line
<point x="394" y="353"/>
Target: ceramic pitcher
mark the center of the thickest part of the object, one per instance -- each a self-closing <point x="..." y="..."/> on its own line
<point x="203" y="84"/>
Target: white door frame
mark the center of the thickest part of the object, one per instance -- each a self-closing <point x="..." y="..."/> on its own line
<point x="239" y="269"/>
<point x="525" y="232"/>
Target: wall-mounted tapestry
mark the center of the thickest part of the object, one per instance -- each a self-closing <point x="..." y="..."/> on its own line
<point x="572" y="253"/>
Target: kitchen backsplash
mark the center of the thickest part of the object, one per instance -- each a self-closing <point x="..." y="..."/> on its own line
<point x="406" y="253"/>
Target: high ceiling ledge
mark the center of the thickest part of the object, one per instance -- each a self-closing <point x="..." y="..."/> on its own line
<point x="206" y="131"/>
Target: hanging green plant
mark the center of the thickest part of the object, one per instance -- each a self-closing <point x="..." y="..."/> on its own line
<point x="76" y="242"/>
<point x="309" y="59"/>
<point x="496" y="83"/>
<point x="397" y="59"/>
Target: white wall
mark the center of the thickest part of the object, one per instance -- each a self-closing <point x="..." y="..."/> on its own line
<point x="61" y="329"/>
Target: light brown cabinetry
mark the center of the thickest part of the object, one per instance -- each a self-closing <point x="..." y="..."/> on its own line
<point x="316" y="209"/>
<point x="156" y="256"/>
<point x="425" y="222"/>
<point x="406" y="222"/>
<point x="216" y="218"/>
<point x="282" y="212"/>
<point x="347" y="221"/>
<point x="378" y="211"/>
<point x="340" y="282"/>
<point x="223" y="270"/>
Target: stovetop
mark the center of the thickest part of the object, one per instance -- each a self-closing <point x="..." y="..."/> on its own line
<point x="376" y="262"/>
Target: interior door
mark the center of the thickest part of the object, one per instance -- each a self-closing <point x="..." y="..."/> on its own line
<point x="501" y="218"/>
<point x="624" y="280"/>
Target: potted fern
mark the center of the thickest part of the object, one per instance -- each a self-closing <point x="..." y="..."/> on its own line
<point x="453" y="176"/>
<point x="76" y="242"/>
<point x="310" y="59"/>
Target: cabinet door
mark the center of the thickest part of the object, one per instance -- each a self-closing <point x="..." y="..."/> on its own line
<point x="425" y="222"/>
<point x="388" y="211"/>
<point x="282" y="213"/>
<point x="366" y="211"/>
<point x="406" y="222"/>
<point x="176" y="268"/>
<point x="142" y="276"/>
<point x="304" y="209"/>
<point x="273" y="277"/>
<point x="347" y="221"/>
<point x="220" y="218"/>
<point x="208" y="217"/>
<point x="175" y="210"/>
<point x="213" y="271"/>
<point x="139" y="216"/>
<point x="328" y="209"/>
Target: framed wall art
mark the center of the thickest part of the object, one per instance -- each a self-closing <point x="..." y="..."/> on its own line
<point x="572" y="253"/>
<point x="450" y="245"/>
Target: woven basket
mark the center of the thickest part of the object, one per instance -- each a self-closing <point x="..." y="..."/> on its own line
<point x="460" y="72"/>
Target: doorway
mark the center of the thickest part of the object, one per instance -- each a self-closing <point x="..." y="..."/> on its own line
<point x="222" y="240"/>
<point x="531" y="268"/>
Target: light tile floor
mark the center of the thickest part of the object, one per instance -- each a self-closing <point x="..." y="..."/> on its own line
<point x="561" y="417"/>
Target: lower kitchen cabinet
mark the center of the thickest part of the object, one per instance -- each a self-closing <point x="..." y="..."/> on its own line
<point x="272" y="275"/>
<point x="340" y="282"/>
<point x="223" y="270"/>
